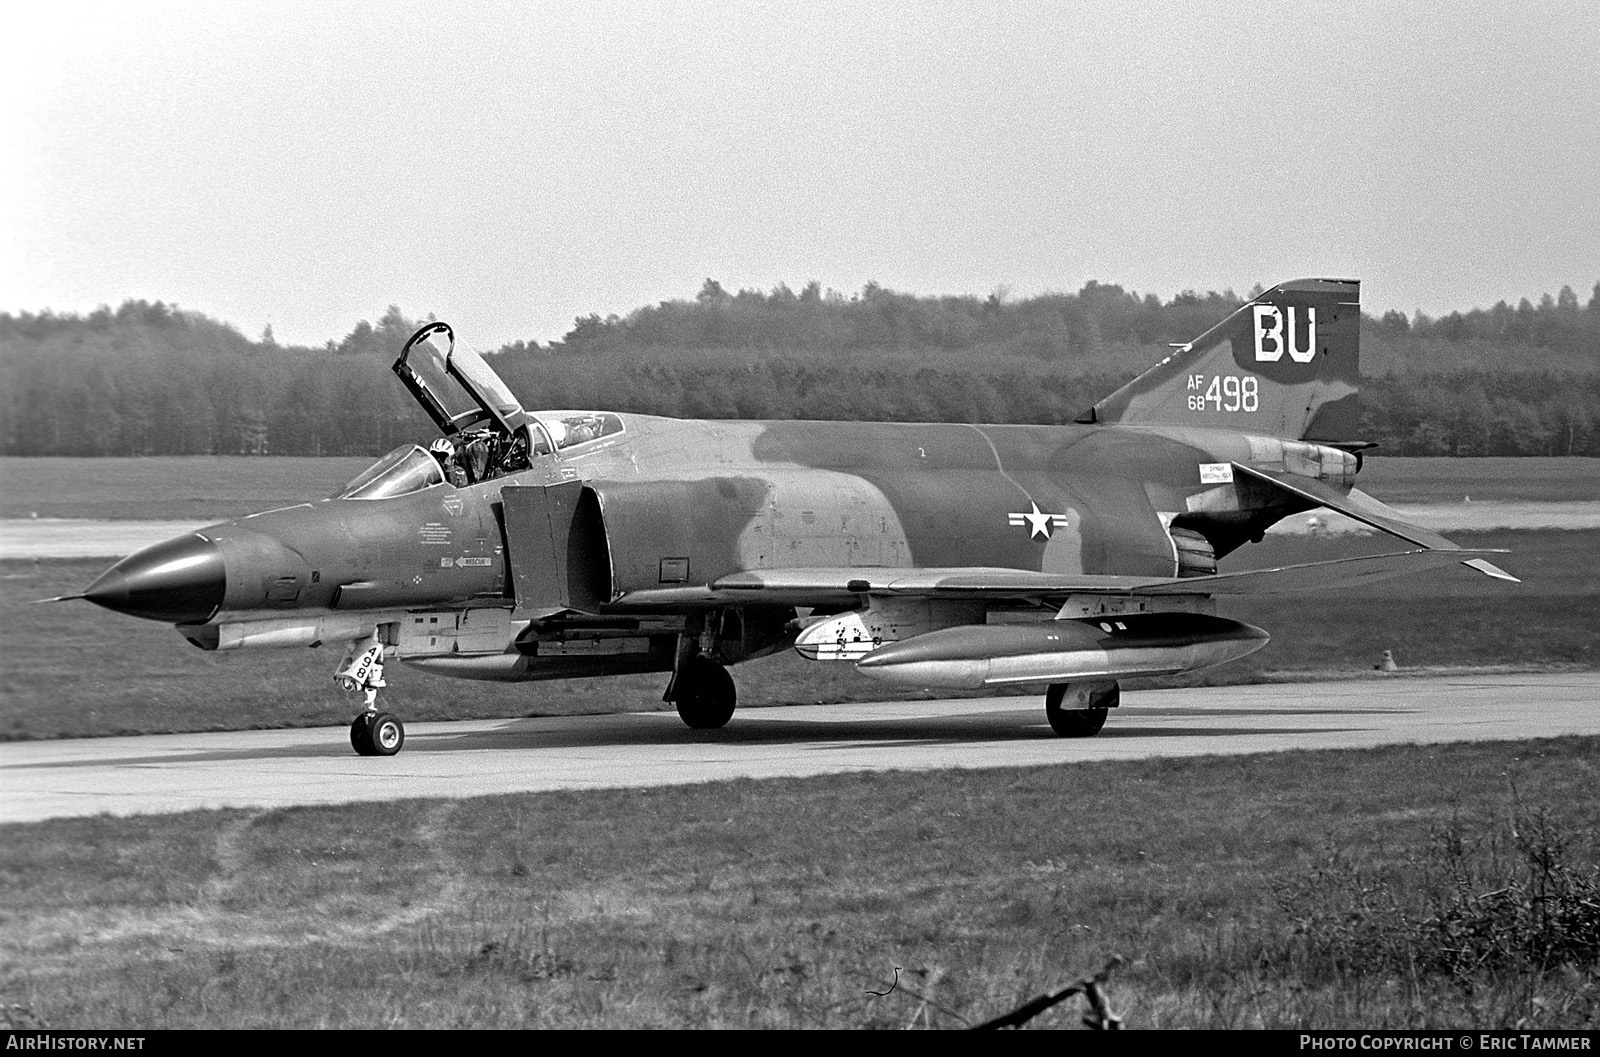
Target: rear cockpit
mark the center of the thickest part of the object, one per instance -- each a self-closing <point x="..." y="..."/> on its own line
<point x="568" y="429"/>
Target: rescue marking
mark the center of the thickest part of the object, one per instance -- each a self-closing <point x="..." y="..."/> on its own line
<point x="1039" y="523"/>
<point x="1216" y="473"/>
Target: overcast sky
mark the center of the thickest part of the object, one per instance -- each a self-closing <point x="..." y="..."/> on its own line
<point x="511" y="166"/>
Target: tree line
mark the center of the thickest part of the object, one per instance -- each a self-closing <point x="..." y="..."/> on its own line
<point x="150" y="379"/>
<point x="1098" y="319"/>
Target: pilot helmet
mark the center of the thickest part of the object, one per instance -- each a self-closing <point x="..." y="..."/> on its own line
<point x="441" y="447"/>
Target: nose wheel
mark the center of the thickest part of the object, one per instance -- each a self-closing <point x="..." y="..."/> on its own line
<point x="377" y="734"/>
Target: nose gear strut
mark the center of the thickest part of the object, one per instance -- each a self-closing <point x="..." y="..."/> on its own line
<point x="373" y="733"/>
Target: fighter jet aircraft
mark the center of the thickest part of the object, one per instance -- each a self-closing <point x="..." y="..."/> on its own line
<point x="530" y="545"/>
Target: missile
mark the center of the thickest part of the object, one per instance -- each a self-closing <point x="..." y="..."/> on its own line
<point x="977" y="655"/>
<point x="845" y="638"/>
<point x="851" y="636"/>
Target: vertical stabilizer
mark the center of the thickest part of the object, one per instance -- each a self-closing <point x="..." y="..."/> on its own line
<point x="1287" y="364"/>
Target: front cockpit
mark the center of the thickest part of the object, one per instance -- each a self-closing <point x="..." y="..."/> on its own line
<point x="486" y="433"/>
<point x="409" y="468"/>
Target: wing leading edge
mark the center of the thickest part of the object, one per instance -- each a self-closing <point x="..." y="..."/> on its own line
<point x="820" y="586"/>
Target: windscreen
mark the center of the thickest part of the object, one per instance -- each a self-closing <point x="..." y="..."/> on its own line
<point x="406" y="469"/>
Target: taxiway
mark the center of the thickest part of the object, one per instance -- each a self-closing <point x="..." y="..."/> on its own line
<point x="281" y="768"/>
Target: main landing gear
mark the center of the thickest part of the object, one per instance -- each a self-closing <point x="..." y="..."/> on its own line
<point x="1078" y="710"/>
<point x="704" y="693"/>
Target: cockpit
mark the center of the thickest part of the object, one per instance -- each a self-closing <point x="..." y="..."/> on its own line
<point x="568" y="429"/>
<point x="477" y="455"/>
<point x="486" y="432"/>
<point x="409" y="468"/>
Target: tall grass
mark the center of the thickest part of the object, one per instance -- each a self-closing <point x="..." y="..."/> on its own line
<point x="1486" y="914"/>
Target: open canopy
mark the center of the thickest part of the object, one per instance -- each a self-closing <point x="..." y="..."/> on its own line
<point x="453" y="384"/>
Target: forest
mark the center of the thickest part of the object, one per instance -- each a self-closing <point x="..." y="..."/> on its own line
<point x="153" y="379"/>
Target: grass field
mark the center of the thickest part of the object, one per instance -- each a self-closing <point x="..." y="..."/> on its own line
<point x="1321" y="896"/>
<point x="174" y="488"/>
<point x="200" y="487"/>
<point x="1410" y="480"/>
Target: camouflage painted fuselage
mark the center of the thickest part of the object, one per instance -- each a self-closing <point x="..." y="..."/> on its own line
<point x="684" y="503"/>
<point x="771" y="495"/>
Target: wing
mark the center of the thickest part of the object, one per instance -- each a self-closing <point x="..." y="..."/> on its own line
<point x="834" y="586"/>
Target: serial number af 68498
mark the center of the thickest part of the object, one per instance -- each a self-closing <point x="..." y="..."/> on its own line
<point x="1224" y="392"/>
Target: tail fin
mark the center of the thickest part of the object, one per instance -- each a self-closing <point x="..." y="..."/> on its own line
<point x="1287" y="364"/>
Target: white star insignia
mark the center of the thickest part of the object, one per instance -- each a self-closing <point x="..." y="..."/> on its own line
<point x="1039" y="523"/>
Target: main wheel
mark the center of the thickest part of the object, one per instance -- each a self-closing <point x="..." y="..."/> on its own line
<point x="706" y="694"/>
<point x="1079" y="722"/>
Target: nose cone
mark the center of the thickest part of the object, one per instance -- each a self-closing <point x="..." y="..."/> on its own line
<point x="180" y="581"/>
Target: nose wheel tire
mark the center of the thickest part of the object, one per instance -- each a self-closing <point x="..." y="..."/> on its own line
<point x="705" y="694"/>
<point x="377" y="734"/>
<point x="1079" y="722"/>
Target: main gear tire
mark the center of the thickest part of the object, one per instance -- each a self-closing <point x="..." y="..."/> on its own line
<point x="1079" y="722"/>
<point x="706" y="696"/>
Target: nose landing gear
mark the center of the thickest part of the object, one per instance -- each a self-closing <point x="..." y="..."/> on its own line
<point x="373" y="733"/>
<point x="377" y="734"/>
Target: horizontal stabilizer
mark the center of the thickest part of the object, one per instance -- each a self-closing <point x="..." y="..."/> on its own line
<point x="1358" y="506"/>
<point x="1490" y="569"/>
